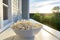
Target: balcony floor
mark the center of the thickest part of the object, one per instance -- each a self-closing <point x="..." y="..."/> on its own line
<point x="10" y="35"/>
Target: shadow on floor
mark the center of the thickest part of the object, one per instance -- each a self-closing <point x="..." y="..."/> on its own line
<point x="10" y="38"/>
<point x="18" y="38"/>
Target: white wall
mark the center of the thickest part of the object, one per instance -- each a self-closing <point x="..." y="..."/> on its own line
<point x="12" y="11"/>
<point x="20" y="9"/>
<point x="15" y="10"/>
<point x="1" y="14"/>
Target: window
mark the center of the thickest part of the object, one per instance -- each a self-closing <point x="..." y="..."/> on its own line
<point x="5" y="13"/>
<point x="5" y="2"/>
<point x="5" y="9"/>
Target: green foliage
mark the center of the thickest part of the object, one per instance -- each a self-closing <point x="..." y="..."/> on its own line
<point x="36" y="17"/>
<point x="31" y="15"/>
<point x="56" y="22"/>
<point x="52" y="20"/>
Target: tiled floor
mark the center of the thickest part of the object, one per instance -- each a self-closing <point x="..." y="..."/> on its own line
<point x="10" y="35"/>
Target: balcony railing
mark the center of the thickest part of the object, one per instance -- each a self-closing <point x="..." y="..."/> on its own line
<point x="51" y="31"/>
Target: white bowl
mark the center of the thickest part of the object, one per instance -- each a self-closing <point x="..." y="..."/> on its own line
<point x="27" y="33"/>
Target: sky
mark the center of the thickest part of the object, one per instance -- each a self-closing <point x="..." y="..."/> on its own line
<point x="42" y="6"/>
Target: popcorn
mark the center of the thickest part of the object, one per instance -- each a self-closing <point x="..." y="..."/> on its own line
<point x="25" y="25"/>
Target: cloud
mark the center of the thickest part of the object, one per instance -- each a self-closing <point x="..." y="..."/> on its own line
<point x="43" y="3"/>
<point x="45" y="6"/>
<point x="47" y="9"/>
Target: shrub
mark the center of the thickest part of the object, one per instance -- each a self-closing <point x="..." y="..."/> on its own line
<point x="36" y="17"/>
<point x="52" y="20"/>
<point x="56" y="22"/>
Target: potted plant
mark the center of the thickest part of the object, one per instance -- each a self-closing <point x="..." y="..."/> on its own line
<point x="26" y="28"/>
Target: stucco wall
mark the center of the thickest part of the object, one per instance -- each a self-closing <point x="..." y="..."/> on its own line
<point x="13" y="13"/>
<point x="20" y="9"/>
<point x="15" y="10"/>
<point x="1" y="14"/>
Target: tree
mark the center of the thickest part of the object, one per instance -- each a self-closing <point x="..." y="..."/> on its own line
<point x="56" y="9"/>
<point x="56" y="19"/>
